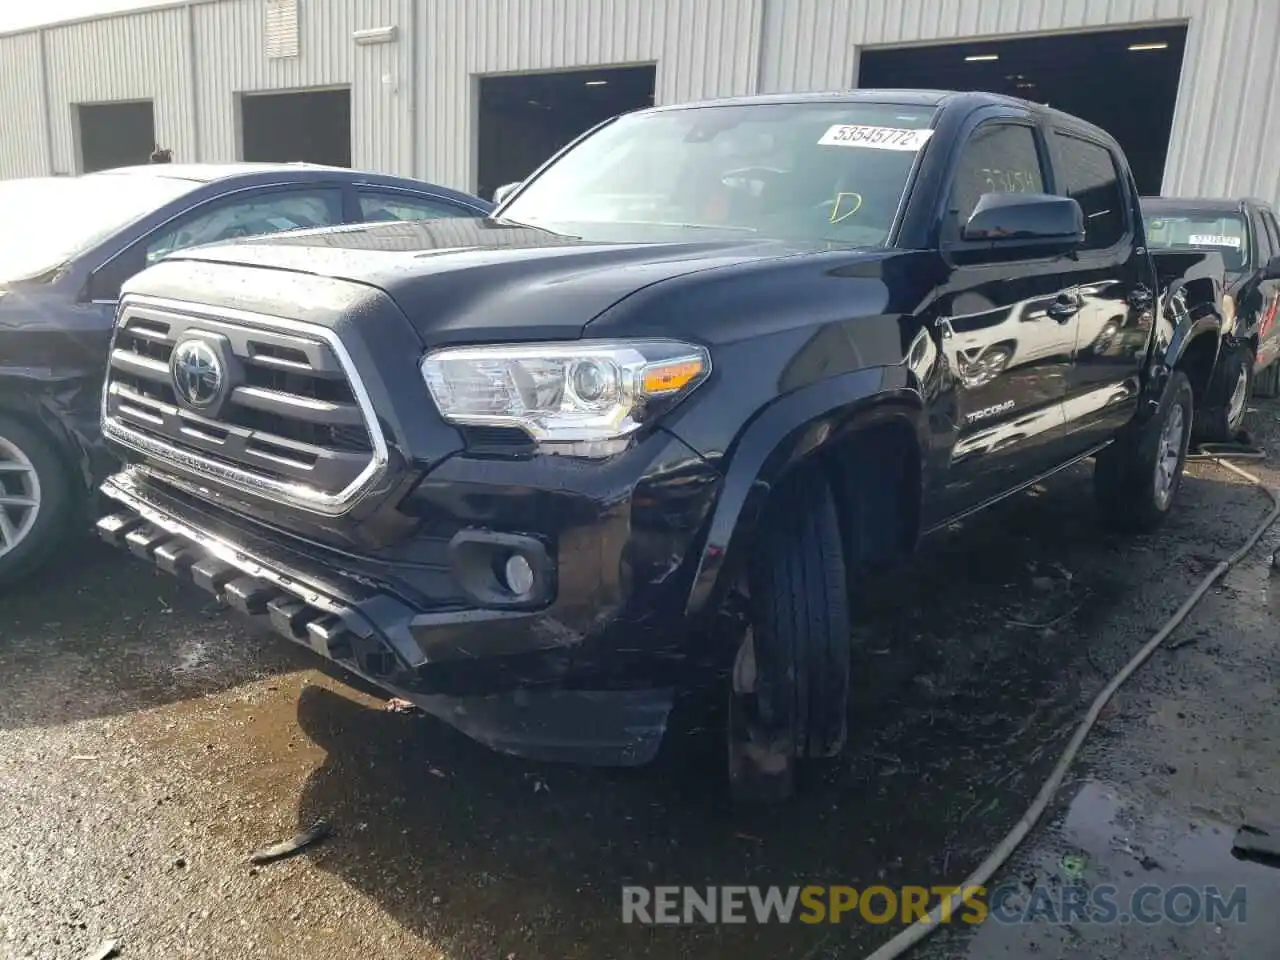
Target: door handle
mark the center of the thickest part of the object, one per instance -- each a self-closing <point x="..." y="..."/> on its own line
<point x="1064" y="307"/>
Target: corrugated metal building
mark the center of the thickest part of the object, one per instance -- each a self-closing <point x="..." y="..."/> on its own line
<point x="412" y="68"/>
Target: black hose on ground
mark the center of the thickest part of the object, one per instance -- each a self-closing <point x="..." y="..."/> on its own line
<point x="913" y="934"/>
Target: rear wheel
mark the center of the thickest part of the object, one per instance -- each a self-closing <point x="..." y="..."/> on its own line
<point x="35" y="499"/>
<point x="791" y="681"/>
<point x="1227" y="402"/>
<point x="1136" y="479"/>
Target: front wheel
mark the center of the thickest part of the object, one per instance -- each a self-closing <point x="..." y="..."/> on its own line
<point x="1267" y="383"/>
<point x="790" y="687"/>
<point x="35" y="499"/>
<point x="1228" y="398"/>
<point x="1137" y="477"/>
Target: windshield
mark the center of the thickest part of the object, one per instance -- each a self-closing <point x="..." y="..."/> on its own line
<point x="50" y="220"/>
<point x="1225" y="234"/>
<point x="832" y="172"/>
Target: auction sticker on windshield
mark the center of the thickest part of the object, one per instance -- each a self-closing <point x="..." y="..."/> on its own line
<point x="1205" y="240"/>
<point x="877" y="138"/>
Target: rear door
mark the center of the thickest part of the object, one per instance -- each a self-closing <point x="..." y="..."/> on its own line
<point x="1006" y="329"/>
<point x="1109" y="282"/>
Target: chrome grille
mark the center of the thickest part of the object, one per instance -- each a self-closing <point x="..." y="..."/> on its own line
<point x="290" y="420"/>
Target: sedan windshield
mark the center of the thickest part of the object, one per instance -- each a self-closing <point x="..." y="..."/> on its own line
<point x="1224" y="234"/>
<point x="832" y="172"/>
<point x="49" y="220"/>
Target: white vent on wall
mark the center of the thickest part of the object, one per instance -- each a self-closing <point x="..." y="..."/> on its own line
<point x="282" y="28"/>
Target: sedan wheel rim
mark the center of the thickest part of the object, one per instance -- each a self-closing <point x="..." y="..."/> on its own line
<point x="19" y="496"/>
<point x="1168" y="455"/>
<point x="1239" y="396"/>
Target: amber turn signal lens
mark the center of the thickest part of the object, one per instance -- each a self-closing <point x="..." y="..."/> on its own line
<point x="670" y="377"/>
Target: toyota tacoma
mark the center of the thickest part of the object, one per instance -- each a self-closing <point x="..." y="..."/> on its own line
<point x="695" y="378"/>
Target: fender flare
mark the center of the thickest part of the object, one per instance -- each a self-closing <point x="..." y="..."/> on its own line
<point x="1187" y="331"/>
<point x="784" y="433"/>
<point x="1170" y="353"/>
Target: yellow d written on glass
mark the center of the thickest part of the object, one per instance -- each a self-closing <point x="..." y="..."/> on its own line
<point x="853" y="201"/>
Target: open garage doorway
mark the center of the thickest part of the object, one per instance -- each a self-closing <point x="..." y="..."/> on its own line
<point x="525" y="118"/>
<point x="307" y="126"/>
<point x="115" y="134"/>
<point x="1125" y="81"/>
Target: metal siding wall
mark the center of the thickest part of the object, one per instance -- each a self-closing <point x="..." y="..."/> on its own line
<point x="141" y="56"/>
<point x="231" y="50"/>
<point x="702" y="48"/>
<point x="22" y="152"/>
<point x="1225" y="138"/>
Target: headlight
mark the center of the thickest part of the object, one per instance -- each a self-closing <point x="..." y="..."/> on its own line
<point x="585" y="391"/>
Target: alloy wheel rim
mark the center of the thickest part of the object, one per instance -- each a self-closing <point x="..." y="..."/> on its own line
<point x="1168" y="455"/>
<point x="1239" y="396"/>
<point x="19" y="496"/>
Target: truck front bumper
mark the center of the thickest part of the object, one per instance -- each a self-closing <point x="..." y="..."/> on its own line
<point x="519" y="681"/>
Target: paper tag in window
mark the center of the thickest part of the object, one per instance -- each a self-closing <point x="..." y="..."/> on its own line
<point x="875" y="138"/>
<point x="1206" y="240"/>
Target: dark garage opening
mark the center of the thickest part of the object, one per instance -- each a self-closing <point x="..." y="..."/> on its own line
<point x="308" y="126"/>
<point x="115" y="134"/>
<point x="525" y="118"/>
<point x="1125" y="81"/>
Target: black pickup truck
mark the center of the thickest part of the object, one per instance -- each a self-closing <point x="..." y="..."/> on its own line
<point x="1246" y="236"/>
<point x="697" y="377"/>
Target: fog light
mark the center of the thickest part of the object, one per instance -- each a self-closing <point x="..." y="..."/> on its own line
<point x="519" y="575"/>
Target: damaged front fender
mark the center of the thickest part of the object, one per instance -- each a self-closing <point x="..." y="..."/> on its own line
<point x="53" y="358"/>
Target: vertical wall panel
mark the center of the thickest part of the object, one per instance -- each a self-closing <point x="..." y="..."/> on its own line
<point x="140" y="56"/>
<point x="232" y="50"/>
<point x="22" y="146"/>
<point x="1226" y="134"/>
<point x="414" y="100"/>
<point x="702" y="48"/>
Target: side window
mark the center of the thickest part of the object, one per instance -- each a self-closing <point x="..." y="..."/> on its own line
<point x="998" y="158"/>
<point x="1273" y="231"/>
<point x="405" y="206"/>
<point x="261" y="213"/>
<point x="1087" y="173"/>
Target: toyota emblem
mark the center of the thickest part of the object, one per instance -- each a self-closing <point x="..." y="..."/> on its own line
<point x="198" y="376"/>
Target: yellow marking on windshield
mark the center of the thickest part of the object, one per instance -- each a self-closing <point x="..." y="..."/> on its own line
<point x="836" y="215"/>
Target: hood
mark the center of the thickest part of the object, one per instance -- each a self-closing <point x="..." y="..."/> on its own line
<point x="467" y="280"/>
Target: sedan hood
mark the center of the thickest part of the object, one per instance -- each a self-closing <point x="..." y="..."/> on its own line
<point x="463" y="280"/>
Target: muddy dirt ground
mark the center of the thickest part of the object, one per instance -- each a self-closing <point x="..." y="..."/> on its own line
<point x="149" y="742"/>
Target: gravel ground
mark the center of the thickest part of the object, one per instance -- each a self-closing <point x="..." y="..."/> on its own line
<point x="149" y="742"/>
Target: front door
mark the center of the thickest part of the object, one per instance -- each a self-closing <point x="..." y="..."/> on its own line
<point x="1007" y="331"/>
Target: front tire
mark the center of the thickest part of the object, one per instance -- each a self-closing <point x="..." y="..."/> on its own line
<point x="790" y="691"/>
<point x="1267" y="383"/>
<point x="36" y="499"/>
<point x="1137" y="477"/>
<point x="1222" y="417"/>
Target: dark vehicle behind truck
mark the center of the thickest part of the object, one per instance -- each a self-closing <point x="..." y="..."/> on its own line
<point x="66" y="246"/>
<point x="1244" y="234"/>
<point x="699" y="375"/>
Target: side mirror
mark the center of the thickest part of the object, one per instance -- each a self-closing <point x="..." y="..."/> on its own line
<point x="507" y="189"/>
<point x="1272" y="270"/>
<point x="1028" y="223"/>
